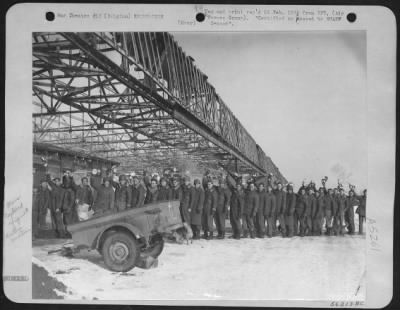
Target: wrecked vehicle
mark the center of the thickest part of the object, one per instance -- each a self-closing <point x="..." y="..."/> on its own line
<point x="127" y="238"/>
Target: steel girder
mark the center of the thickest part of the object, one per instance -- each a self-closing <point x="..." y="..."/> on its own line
<point x="136" y="98"/>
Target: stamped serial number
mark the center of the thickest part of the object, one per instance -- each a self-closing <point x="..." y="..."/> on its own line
<point x="347" y="303"/>
<point x="15" y="278"/>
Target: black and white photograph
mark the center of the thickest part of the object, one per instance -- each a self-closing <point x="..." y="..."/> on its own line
<point x="228" y="164"/>
<point x="199" y="165"/>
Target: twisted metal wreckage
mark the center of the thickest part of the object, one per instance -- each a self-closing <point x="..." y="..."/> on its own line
<point x="136" y="98"/>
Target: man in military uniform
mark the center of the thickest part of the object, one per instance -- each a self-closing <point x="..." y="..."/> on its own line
<point x="260" y="219"/>
<point x="269" y="211"/>
<point x="244" y="215"/>
<point x="176" y="190"/>
<point x="289" y="212"/>
<point x="186" y="199"/>
<point x="302" y="204"/>
<point x="69" y="203"/>
<point x="123" y="194"/>
<point x="251" y="202"/>
<point x="84" y="194"/>
<point x="296" y="216"/>
<point x="361" y="212"/>
<point x="336" y="228"/>
<point x="138" y="193"/>
<point x="222" y="208"/>
<point x="312" y="200"/>
<point x="164" y="192"/>
<point x="307" y="220"/>
<point x="320" y="211"/>
<point x="341" y="201"/>
<point x="196" y="208"/>
<point x="57" y="196"/>
<point x="236" y="210"/>
<point x="152" y="192"/>
<point x="105" y="197"/>
<point x="329" y="209"/>
<point x="280" y="198"/>
<point x="351" y="202"/>
<point x="43" y="203"/>
<point x="84" y="199"/>
<point x="210" y="206"/>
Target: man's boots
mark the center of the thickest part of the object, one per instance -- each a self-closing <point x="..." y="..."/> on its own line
<point x="196" y="233"/>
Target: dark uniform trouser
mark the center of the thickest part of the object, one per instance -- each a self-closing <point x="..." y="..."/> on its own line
<point x="195" y="229"/>
<point x="270" y="226"/>
<point x="185" y="214"/>
<point x="346" y="219"/>
<point x="328" y="219"/>
<point x="303" y="225"/>
<point x="289" y="221"/>
<point x="308" y="224"/>
<point x="68" y="219"/>
<point x="282" y="223"/>
<point x="250" y="224"/>
<point x="274" y="227"/>
<point x="361" y="220"/>
<point x="335" y="224"/>
<point x="56" y="217"/>
<point x="318" y="220"/>
<point x="260" y="220"/>
<point x="313" y="225"/>
<point x="295" y="224"/>
<point x="206" y="221"/>
<point x="351" y="224"/>
<point x="42" y="218"/>
<point x="245" y="225"/>
<point x="235" y="223"/>
<point x="341" y="222"/>
<point x="220" y="221"/>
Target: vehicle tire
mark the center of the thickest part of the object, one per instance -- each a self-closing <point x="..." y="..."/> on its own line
<point x="120" y="251"/>
<point x="156" y="249"/>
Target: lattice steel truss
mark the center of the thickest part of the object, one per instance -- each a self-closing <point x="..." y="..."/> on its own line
<point x="136" y="98"/>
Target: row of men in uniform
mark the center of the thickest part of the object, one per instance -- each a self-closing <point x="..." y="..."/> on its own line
<point x="59" y="199"/>
<point x="63" y="199"/>
<point x="253" y="210"/>
<point x="276" y="210"/>
<point x="281" y="211"/>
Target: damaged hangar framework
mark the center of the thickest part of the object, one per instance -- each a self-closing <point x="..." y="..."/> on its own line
<point x="138" y="99"/>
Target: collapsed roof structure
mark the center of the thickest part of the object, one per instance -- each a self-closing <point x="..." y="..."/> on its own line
<point x="138" y="99"/>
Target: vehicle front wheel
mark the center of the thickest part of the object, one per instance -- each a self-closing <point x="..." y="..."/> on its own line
<point x="120" y="251"/>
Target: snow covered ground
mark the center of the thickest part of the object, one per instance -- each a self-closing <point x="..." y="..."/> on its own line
<point x="313" y="268"/>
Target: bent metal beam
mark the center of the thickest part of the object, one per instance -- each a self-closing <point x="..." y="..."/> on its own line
<point x="174" y="109"/>
<point x="135" y="91"/>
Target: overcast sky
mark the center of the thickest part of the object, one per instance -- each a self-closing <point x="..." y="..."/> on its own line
<point x="300" y="95"/>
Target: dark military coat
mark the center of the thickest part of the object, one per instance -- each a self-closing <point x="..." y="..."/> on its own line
<point x="196" y="206"/>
